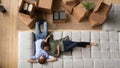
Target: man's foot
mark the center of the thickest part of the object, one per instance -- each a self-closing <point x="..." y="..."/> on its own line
<point x="93" y="44"/>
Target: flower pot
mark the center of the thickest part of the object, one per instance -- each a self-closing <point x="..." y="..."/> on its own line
<point x="2" y="9"/>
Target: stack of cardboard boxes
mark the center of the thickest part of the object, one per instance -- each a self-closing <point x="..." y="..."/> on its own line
<point x="99" y="14"/>
<point x="69" y="5"/>
<point x="74" y="7"/>
<point x="96" y="18"/>
<point x="30" y="17"/>
<point x="26" y="12"/>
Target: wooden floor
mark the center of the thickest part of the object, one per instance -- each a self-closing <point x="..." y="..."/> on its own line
<point x="8" y="34"/>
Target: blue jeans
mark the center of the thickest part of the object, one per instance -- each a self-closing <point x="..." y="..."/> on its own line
<point x="69" y="45"/>
<point x="38" y="33"/>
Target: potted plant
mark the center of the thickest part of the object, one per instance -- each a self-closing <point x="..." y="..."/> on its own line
<point x="2" y="9"/>
<point x="88" y="6"/>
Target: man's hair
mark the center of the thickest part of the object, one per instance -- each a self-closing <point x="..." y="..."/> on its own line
<point x="42" y="61"/>
<point x="44" y="44"/>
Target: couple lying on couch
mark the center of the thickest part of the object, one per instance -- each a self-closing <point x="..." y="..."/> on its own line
<point x="47" y="49"/>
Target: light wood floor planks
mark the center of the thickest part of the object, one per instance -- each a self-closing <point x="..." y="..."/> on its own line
<point x="8" y="34"/>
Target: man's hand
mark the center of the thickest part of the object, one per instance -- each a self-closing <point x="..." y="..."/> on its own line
<point x="52" y="59"/>
<point x="32" y="61"/>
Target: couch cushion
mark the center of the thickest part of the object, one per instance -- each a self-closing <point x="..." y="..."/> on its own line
<point x="25" y="45"/>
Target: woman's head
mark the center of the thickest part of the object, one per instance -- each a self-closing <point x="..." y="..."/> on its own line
<point x="45" y="46"/>
<point x="42" y="60"/>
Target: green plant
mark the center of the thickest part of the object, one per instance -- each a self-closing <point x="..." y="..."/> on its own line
<point x="89" y="6"/>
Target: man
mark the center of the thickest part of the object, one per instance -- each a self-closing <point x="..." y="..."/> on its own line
<point x="41" y="55"/>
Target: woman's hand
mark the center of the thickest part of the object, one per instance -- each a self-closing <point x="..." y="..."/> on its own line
<point x="47" y="37"/>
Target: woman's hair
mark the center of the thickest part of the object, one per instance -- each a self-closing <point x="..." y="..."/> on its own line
<point x="42" y="61"/>
<point x="44" y="44"/>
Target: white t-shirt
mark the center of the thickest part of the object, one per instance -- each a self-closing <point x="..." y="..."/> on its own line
<point x="40" y="51"/>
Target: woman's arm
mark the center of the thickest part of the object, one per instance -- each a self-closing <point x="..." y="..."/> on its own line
<point x="58" y="50"/>
<point x="47" y="38"/>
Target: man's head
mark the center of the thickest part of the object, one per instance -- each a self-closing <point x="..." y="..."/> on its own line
<point x="45" y="46"/>
<point x="42" y="60"/>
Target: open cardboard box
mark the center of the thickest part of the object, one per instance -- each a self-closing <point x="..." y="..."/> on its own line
<point x="27" y="20"/>
<point x="69" y="7"/>
<point x="99" y="14"/>
<point x="59" y="16"/>
<point x="79" y="12"/>
<point x="32" y="12"/>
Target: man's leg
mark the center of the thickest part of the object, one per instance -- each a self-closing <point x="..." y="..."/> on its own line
<point x="38" y="33"/>
<point x="37" y="30"/>
<point x="45" y="30"/>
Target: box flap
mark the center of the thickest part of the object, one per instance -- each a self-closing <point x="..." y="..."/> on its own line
<point x="99" y="2"/>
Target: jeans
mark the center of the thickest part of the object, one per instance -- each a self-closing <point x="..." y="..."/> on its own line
<point x="38" y="33"/>
<point x="69" y="45"/>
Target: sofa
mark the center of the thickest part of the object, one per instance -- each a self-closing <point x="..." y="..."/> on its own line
<point x="105" y="55"/>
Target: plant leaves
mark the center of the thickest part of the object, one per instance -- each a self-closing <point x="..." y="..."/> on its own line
<point x="88" y="5"/>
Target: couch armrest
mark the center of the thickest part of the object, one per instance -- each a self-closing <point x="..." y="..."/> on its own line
<point x="25" y="45"/>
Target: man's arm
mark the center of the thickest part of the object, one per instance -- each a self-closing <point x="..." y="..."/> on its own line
<point x="33" y="61"/>
<point x="52" y="59"/>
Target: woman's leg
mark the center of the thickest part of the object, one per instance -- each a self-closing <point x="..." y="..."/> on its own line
<point x="83" y="44"/>
<point x="69" y="45"/>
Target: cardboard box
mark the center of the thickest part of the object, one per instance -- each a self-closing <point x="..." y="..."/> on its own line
<point x="70" y="7"/>
<point x="59" y="16"/>
<point x="69" y="2"/>
<point x="99" y="15"/>
<point x="45" y="5"/>
<point x="32" y="12"/>
<point x="79" y="12"/>
<point x="27" y="20"/>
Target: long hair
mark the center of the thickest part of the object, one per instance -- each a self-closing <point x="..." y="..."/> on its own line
<point x="44" y="44"/>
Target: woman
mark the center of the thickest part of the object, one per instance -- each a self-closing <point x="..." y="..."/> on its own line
<point x="55" y="47"/>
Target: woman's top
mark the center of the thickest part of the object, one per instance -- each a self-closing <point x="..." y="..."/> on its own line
<point x="54" y="43"/>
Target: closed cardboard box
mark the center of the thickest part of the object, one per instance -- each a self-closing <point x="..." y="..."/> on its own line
<point x="79" y="12"/>
<point x="45" y="5"/>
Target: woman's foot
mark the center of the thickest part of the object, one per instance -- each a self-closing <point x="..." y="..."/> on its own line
<point x="93" y="44"/>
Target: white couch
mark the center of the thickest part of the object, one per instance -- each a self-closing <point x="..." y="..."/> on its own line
<point x="105" y="55"/>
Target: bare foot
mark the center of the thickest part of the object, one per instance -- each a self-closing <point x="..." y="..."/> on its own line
<point x="93" y="44"/>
